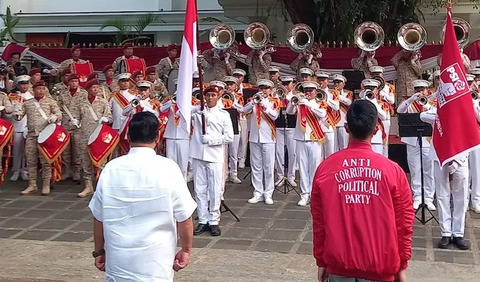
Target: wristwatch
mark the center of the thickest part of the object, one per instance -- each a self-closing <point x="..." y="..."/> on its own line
<point x="96" y="254"/>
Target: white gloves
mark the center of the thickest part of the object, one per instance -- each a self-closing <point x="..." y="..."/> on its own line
<point x="414" y="97"/>
<point x="47" y="71"/>
<point x="128" y="108"/>
<point x="75" y="122"/>
<point x="452" y="167"/>
<point x="52" y="119"/>
<point x="104" y="120"/>
<point x="206" y="139"/>
<point x="16" y="107"/>
<point x="303" y="101"/>
<point x="265" y="103"/>
<point x="2" y="108"/>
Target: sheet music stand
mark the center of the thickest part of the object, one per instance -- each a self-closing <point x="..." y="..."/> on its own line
<point x="410" y="125"/>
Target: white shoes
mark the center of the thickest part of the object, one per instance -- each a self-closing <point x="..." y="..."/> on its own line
<point x="476" y="208"/>
<point x="303" y="202"/>
<point x="268" y="201"/>
<point x="292" y="183"/>
<point x="431" y="206"/>
<point x="280" y="182"/>
<point x="15" y="176"/>
<point x="241" y="164"/>
<point x="235" y="180"/>
<point x="416" y="204"/>
<point x="24" y="175"/>
<point x="255" y="200"/>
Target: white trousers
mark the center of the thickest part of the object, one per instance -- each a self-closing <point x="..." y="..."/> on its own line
<point x="262" y="161"/>
<point x="177" y="150"/>
<point x="329" y="144"/>
<point x="207" y="179"/>
<point x="243" y="144"/>
<point x="18" y="153"/>
<point x="474" y="165"/>
<point x="282" y="136"/>
<point x="377" y="148"/>
<point x="232" y="159"/>
<point x="413" y="160"/>
<point x="341" y="138"/>
<point x="309" y="156"/>
<point x="386" y="124"/>
<point x="459" y="191"/>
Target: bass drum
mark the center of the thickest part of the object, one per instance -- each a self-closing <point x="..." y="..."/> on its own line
<point x="170" y="83"/>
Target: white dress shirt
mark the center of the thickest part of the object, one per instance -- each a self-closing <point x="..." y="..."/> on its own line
<point x="118" y="118"/>
<point x="343" y="98"/>
<point x="407" y="107"/>
<point x="174" y="131"/>
<point x="140" y="197"/>
<point x="262" y="134"/>
<point x="319" y="113"/>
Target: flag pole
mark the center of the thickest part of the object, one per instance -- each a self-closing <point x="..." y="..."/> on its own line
<point x="200" y="73"/>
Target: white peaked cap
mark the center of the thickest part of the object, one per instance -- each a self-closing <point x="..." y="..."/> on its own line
<point x="306" y="71"/>
<point x="230" y="79"/>
<point x="273" y="69"/>
<point x="144" y="83"/>
<point x="265" y="82"/>
<point x="475" y="71"/>
<point x="339" y="77"/>
<point x="239" y="71"/>
<point x="470" y="77"/>
<point x="377" y="69"/>
<point x="22" y="78"/>
<point x="436" y="73"/>
<point x="371" y="82"/>
<point x="218" y="83"/>
<point x="310" y="84"/>
<point x="322" y="74"/>
<point x="125" y="75"/>
<point x="287" y="78"/>
<point x="420" y="83"/>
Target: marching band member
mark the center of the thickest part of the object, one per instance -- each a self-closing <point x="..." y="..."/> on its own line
<point x="103" y="90"/>
<point x="221" y="61"/>
<point x="308" y="135"/>
<point x="451" y="224"/>
<point x="158" y="88"/>
<point x="329" y="124"/>
<point x="168" y="63"/>
<point x="240" y="75"/>
<point x="207" y="151"/>
<point x="137" y="76"/>
<point x="71" y="157"/>
<point x="120" y="100"/>
<point x="346" y="99"/>
<point x="145" y="103"/>
<point x="371" y="94"/>
<point x="89" y="113"/>
<point x="387" y="95"/>
<point x="119" y="63"/>
<point x="306" y="74"/>
<point x="308" y="60"/>
<point x="36" y="76"/>
<point x="110" y="80"/>
<point x="285" y="131"/>
<point x="418" y="103"/>
<point x="264" y="110"/>
<point x="364" y="62"/>
<point x="232" y="154"/>
<point x="259" y="61"/>
<point x="40" y="112"/>
<point x="242" y="148"/>
<point x="275" y="75"/>
<point x="408" y="67"/>
<point x="67" y="64"/>
<point x="465" y="59"/>
<point x="474" y="156"/>
<point x="436" y="82"/>
<point x="62" y="85"/>
<point x="17" y="100"/>
<point x="475" y="72"/>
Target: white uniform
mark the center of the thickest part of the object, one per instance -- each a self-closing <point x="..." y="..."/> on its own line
<point x="377" y="139"/>
<point x="243" y="143"/>
<point x="117" y="110"/>
<point x="450" y="224"/>
<point x="474" y="164"/>
<point x="285" y="135"/>
<point x="388" y="97"/>
<point x="341" y="138"/>
<point x="329" y="130"/>
<point x="308" y="151"/>
<point x="413" y="157"/>
<point x="262" y="147"/>
<point x="177" y="137"/>
<point x="207" y="153"/>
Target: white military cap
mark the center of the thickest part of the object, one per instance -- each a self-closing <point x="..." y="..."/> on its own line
<point x="265" y="82"/>
<point x="175" y="80"/>
<point x="470" y="77"/>
<point x="475" y="71"/>
<point x="144" y="83"/>
<point x="370" y="82"/>
<point x="230" y="79"/>
<point x="322" y="74"/>
<point x="218" y="83"/>
<point x="125" y="75"/>
<point x="239" y="72"/>
<point x="310" y="84"/>
<point x="339" y="77"/>
<point x="420" y="83"/>
<point x="22" y="78"/>
<point x="436" y="73"/>
<point x="287" y="78"/>
<point x="376" y="69"/>
<point x="273" y="69"/>
<point x="306" y="71"/>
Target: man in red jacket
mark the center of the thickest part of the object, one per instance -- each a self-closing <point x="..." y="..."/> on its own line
<point x="362" y="209"/>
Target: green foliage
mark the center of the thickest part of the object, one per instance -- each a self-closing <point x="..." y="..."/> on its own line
<point x="130" y="32"/>
<point x="10" y="22"/>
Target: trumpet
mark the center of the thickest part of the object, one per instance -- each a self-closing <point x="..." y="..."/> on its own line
<point x="423" y="100"/>
<point x="135" y="102"/>
<point x="369" y="36"/>
<point x="228" y="96"/>
<point x="369" y="95"/>
<point x="256" y="35"/>
<point x="296" y="99"/>
<point x="281" y="92"/>
<point x="412" y="36"/>
<point x="257" y="98"/>
<point x="321" y="95"/>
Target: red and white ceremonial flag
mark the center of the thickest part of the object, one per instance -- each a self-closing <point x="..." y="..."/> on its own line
<point x="188" y="63"/>
<point x="455" y="131"/>
<point x="11" y="48"/>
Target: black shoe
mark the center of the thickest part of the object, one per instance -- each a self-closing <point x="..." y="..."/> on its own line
<point x="200" y="229"/>
<point x="460" y="243"/>
<point x="444" y="242"/>
<point x="215" y="230"/>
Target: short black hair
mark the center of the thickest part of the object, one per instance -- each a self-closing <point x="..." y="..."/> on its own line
<point x="143" y="128"/>
<point x="362" y="118"/>
<point x="15" y="53"/>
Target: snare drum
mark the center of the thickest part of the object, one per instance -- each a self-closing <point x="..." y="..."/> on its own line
<point x="6" y="133"/>
<point x="52" y="141"/>
<point x="101" y="143"/>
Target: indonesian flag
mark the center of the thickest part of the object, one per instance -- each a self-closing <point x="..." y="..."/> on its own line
<point x="188" y="63"/>
<point x="13" y="48"/>
<point x="455" y="131"/>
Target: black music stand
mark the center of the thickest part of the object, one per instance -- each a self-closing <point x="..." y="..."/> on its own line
<point x="410" y="125"/>
<point x="286" y="187"/>
<point x="234" y="117"/>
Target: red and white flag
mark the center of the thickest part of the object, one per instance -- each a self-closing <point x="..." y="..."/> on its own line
<point x="13" y="48"/>
<point x="188" y="63"/>
<point x="455" y="131"/>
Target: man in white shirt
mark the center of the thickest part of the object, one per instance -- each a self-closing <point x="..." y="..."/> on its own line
<point x="140" y="200"/>
<point x="330" y="122"/>
<point x="208" y="155"/>
<point x="345" y="98"/>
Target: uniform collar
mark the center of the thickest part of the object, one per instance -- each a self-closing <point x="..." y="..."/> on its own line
<point x="142" y="150"/>
<point x="364" y="145"/>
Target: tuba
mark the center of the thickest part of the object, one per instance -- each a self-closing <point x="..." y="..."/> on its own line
<point x="369" y="36"/>
<point x="281" y="92"/>
<point x="295" y="99"/>
<point x="257" y="35"/>
<point x="412" y="36"/>
<point x="222" y="36"/>
<point x="381" y="80"/>
<point x="300" y="38"/>
<point x="462" y="31"/>
<point x="298" y="88"/>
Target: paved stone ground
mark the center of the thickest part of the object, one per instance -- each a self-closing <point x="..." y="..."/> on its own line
<point x="281" y="228"/>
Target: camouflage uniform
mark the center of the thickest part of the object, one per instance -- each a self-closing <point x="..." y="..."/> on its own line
<point x="407" y="72"/>
<point x="166" y="65"/>
<point x="219" y="64"/>
<point x="301" y="62"/>
<point x="36" y="122"/>
<point x="57" y="88"/>
<point x="465" y="59"/>
<point x="71" y="157"/>
<point x="258" y="67"/>
<point x="363" y="64"/>
<point x="118" y="65"/>
<point x="104" y="92"/>
<point x="158" y="89"/>
<point x="66" y="64"/>
<point x="47" y="92"/>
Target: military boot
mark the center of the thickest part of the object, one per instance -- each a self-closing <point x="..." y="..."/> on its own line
<point x="88" y="189"/>
<point x="32" y="187"/>
<point x="46" y="187"/>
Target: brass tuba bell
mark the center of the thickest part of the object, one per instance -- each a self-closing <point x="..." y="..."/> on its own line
<point x="369" y="36"/>
<point x="462" y="31"/>
<point x="281" y="92"/>
<point x="412" y="36"/>
<point x="300" y="38"/>
<point x="256" y="35"/>
<point x="222" y="36"/>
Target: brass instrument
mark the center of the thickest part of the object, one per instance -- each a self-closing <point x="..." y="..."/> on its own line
<point x="369" y="95"/>
<point x="296" y="99"/>
<point x="196" y="94"/>
<point x="228" y="96"/>
<point x="222" y="36"/>
<point x="257" y="35"/>
<point x="321" y="95"/>
<point x="412" y="36"/>
<point x="381" y="80"/>
<point x="298" y="88"/>
<point x="462" y="31"/>
<point x="369" y="36"/>
<point x="300" y="38"/>
<point x="281" y="92"/>
<point x="423" y="100"/>
<point x="135" y="102"/>
<point x="257" y="98"/>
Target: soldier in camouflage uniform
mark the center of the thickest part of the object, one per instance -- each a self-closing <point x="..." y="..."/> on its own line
<point x="71" y="157"/>
<point x="221" y="61"/>
<point x="61" y="86"/>
<point x="76" y="52"/>
<point x="119" y="64"/>
<point x="259" y="62"/>
<point x="364" y="62"/>
<point x="158" y="88"/>
<point x="110" y="82"/>
<point x="275" y="75"/>
<point x="103" y="90"/>
<point x="409" y="68"/>
<point x="36" y="76"/>
<point x="90" y="112"/>
<point x="168" y="63"/>
<point x="40" y="112"/>
<point x="309" y="59"/>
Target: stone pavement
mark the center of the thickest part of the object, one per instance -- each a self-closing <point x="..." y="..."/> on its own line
<point x="282" y="228"/>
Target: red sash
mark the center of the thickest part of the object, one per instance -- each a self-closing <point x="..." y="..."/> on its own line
<point x="381" y="127"/>
<point x="227" y="103"/>
<point x="306" y="116"/>
<point x="344" y="108"/>
<point x="120" y="99"/>
<point x="261" y="114"/>
<point x="333" y="117"/>
<point x="416" y="107"/>
<point x="83" y="71"/>
<point x="6" y="141"/>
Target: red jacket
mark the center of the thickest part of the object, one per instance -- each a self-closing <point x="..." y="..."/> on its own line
<point x="362" y="214"/>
